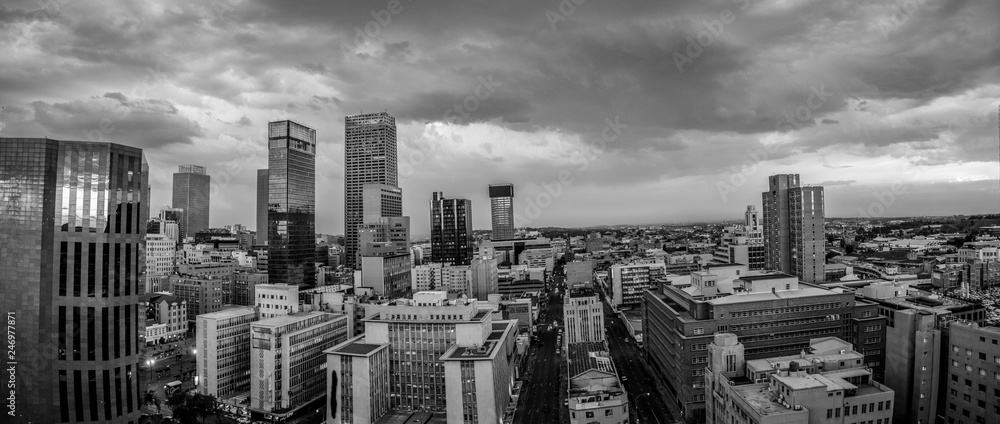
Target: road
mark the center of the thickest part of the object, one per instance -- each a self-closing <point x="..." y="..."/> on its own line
<point x="639" y="384"/>
<point x="544" y="390"/>
<point x="168" y="368"/>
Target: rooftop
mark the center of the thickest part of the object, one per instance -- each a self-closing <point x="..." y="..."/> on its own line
<point x="356" y="349"/>
<point x="229" y="313"/>
<point x="589" y="355"/>
<point x="760" y="398"/>
<point x="281" y="320"/>
<point x="803" y="291"/>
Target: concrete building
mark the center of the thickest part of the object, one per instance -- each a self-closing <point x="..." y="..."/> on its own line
<point x="436" y="276"/>
<point x="244" y="287"/>
<point x="223" y="352"/>
<point x="286" y="361"/>
<point x="380" y="201"/>
<point x="973" y="369"/>
<point x="169" y="312"/>
<point x="794" y="237"/>
<point x="262" y="199"/>
<point x="485" y="277"/>
<point x="423" y="354"/>
<point x="595" y="394"/>
<point x="451" y="230"/>
<point x="203" y="295"/>
<point x="580" y="273"/>
<point x="160" y="251"/>
<point x="630" y="281"/>
<point x="192" y="187"/>
<point x="388" y="275"/>
<point x="71" y="209"/>
<point x="369" y="158"/>
<point x="291" y="211"/>
<point x="274" y="300"/>
<point x="502" y="211"/>
<point x="981" y="275"/>
<point x="583" y="313"/>
<point x="826" y="383"/>
<point x="772" y="312"/>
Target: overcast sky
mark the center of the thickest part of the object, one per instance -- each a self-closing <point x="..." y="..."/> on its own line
<point x="631" y="112"/>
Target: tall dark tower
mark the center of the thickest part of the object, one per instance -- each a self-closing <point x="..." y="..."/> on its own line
<point x="502" y="210"/>
<point x="369" y="158"/>
<point x="794" y="238"/>
<point x="192" y="187"/>
<point x="72" y="226"/>
<point x="291" y="210"/>
<point x="262" y="199"/>
<point x="451" y="230"/>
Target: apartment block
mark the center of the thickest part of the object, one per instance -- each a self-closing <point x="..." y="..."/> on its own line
<point x="223" y="352"/>
<point x="389" y="275"/>
<point x="274" y="300"/>
<point x="630" y="281"/>
<point x="203" y="295"/>
<point x="973" y="369"/>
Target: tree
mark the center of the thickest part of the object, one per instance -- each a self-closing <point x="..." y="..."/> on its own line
<point x="150" y="399"/>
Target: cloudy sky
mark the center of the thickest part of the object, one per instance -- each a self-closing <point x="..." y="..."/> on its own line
<point x="637" y="112"/>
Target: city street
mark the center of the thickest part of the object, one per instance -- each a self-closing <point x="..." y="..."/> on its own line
<point x="169" y="368"/>
<point x="545" y="387"/>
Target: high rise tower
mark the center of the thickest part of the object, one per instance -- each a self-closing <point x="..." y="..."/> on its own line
<point x="502" y="210"/>
<point x="72" y="230"/>
<point x="451" y="230"/>
<point x="291" y="210"/>
<point x="369" y="157"/>
<point x="794" y="240"/>
<point x="191" y="193"/>
<point x="262" y="199"/>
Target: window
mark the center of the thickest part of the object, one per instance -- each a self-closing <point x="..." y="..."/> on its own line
<point x="607" y="412"/>
<point x="590" y="414"/>
<point x="699" y="330"/>
<point x="829" y="413"/>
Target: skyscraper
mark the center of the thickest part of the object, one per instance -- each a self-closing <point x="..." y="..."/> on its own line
<point x="191" y="193"/>
<point x="262" y="199"/>
<point x="451" y="230"/>
<point x="502" y="209"/>
<point x="291" y="211"/>
<point x="794" y="240"/>
<point x="369" y="157"/>
<point x="72" y="226"/>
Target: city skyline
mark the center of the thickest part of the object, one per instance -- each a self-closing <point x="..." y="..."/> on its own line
<point x="692" y="118"/>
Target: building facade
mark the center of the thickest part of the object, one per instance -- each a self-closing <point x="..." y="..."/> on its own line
<point x="274" y="300"/>
<point x="973" y="369"/>
<point x="286" y="358"/>
<point x="244" y="287"/>
<point x="369" y="158"/>
<point x="72" y="227"/>
<point x="502" y="211"/>
<point x="192" y="187"/>
<point x="630" y="281"/>
<point x="263" y="198"/>
<point x="202" y="294"/>
<point x="389" y="275"/>
<point x="291" y="213"/>
<point x="451" y="230"/>
<point x="583" y="313"/>
<point x="794" y="238"/>
<point x="223" y="352"/>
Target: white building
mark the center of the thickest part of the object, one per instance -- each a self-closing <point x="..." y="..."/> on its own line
<point x="160" y="251"/>
<point x="223" y="352"/>
<point x="287" y="360"/>
<point x="276" y="299"/>
<point x="630" y="281"/>
<point x="583" y="314"/>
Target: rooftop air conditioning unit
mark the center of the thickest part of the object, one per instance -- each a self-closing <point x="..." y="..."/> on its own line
<point x="798" y="407"/>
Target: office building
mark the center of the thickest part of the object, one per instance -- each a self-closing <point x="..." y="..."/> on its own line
<point x="170" y="229"/>
<point x="595" y="394"/>
<point x="630" y="281"/>
<point x="485" y="277"/>
<point x="773" y="313"/>
<point x="174" y="215"/>
<point x="202" y="294"/>
<point x="423" y="354"/>
<point x="385" y="235"/>
<point x="379" y="201"/>
<point x="538" y="251"/>
<point x="274" y="300"/>
<point x="245" y="283"/>
<point x="263" y="197"/>
<point x="794" y="240"/>
<point x="583" y="313"/>
<point x="223" y="352"/>
<point x="451" y="230"/>
<point x="388" y="275"/>
<point x="192" y="187"/>
<point x="71" y="232"/>
<point x="160" y="251"/>
<point x="973" y="369"/>
<point x="743" y="243"/>
<point x="286" y="358"/>
<point x="502" y="210"/>
<point x="167" y="313"/>
<point x="291" y="214"/>
<point x="369" y="158"/>
<point x="826" y="383"/>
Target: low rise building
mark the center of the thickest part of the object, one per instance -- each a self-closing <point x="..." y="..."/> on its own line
<point x="595" y="394"/>
<point x="223" y="352"/>
<point x="388" y="275"/>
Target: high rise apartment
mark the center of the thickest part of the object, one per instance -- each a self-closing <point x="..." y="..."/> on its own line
<point x="451" y="230"/>
<point x="794" y="240"/>
<point x="291" y="214"/>
<point x="369" y="158"/>
<point x="192" y="187"/>
<point x="502" y="210"/>
<point x="71" y="235"/>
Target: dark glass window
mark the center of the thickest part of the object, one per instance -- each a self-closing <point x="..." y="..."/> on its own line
<point x="117" y="272"/>
<point x="118" y="389"/>
<point x="91" y="269"/>
<point x="129" y="386"/>
<point x="78" y="393"/>
<point x="107" y="395"/>
<point x="128" y="330"/>
<point x="128" y="268"/>
<point x="91" y="334"/>
<point x="104" y="334"/>
<point x="62" y="333"/>
<point x="62" y="267"/>
<point x="77" y="267"/>
<point x="105" y="262"/>
<point x="63" y="396"/>
<point x="117" y="333"/>
<point x="92" y="376"/>
<point x="76" y="333"/>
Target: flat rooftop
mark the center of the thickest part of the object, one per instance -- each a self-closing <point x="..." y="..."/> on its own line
<point x="772" y="275"/>
<point x="761" y="399"/>
<point x="228" y="313"/>
<point x="278" y="321"/>
<point x="803" y="291"/>
<point x="357" y="349"/>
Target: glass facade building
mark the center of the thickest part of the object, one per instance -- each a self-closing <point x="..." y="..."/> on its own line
<point x="502" y="209"/>
<point x="191" y="193"/>
<point x="72" y="225"/>
<point x="291" y="209"/>
<point x="451" y="230"/>
<point x="262" y="182"/>
<point x="369" y="157"/>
